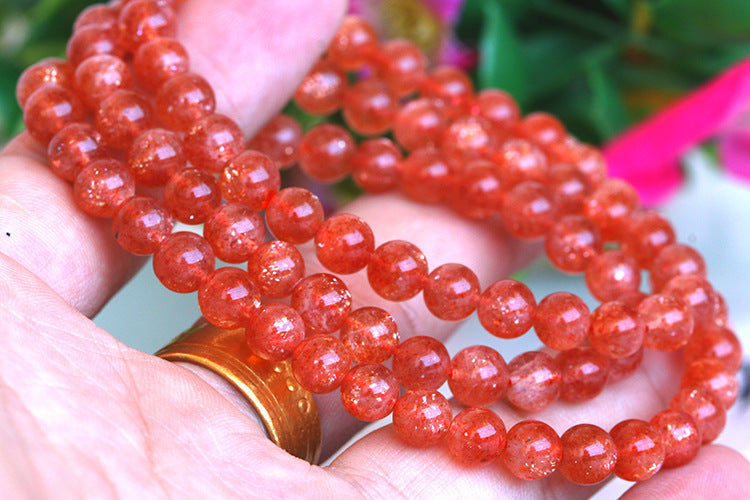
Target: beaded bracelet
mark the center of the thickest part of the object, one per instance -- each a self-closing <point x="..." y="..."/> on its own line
<point x="473" y="152"/>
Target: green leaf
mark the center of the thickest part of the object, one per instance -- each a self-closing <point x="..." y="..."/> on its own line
<point x="551" y="59"/>
<point x="607" y="111"/>
<point x="619" y="7"/>
<point x="705" y="22"/>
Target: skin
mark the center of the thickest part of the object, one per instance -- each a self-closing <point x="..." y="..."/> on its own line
<point x="83" y="414"/>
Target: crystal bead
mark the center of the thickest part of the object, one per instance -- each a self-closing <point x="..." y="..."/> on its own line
<point x="679" y="435"/>
<point x="450" y="85"/>
<point x="562" y="321"/>
<point x="673" y="260"/>
<point x="183" y="100"/>
<point x="478" y="376"/>
<point x="397" y="270"/>
<point x="101" y="187"/>
<point x="93" y="40"/>
<point x="326" y="152"/>
<point x="183" y="262"/>
<point x="584" y="373"/>
<point x="274" y="331"/>
<point x="370" y="334"/>
<point x="451" y="292"/>
<point x="711" y="374"/>
<point x="506" y="309"/>
<point x="322" y="90"/>
<point x="369" y="107"/>
<point x="97" y="77"/>
<point x="569" y="187"/>
<point x="589" y="454"/>
<point x="323" y="301"/>
<point x="294" y="215"/>
<point x="622" y="368"/>
<point x="369" y="392"/>
<point x="648" y="232"/>
<point x="640" y="452"/>
<point x="617" y="330"/>
<point x="144" y="20"/>
<point x="704" y="407"/>
<point x="528" y="210"/>
<point x="479" y="190"/>
<point x="419" y="124"/>
<point x="533" y="450"/>
<point x="251" y="178"/>
<point x="53" y="71"/>
<point x="320" y="363"/>
<point x="353" y="43"/>
<point x="572" y="243"/>
<point x="159" y="60"/>
<point x="609" y="207"/>
<point x="421" y="363"/>
<point x="376" y="165"/>
<point x="422" y="418"/>
<point x="541" y="128"/>
<point x="276" y="267"/>
<point x="49" y="109"/>
<point x="122" y="117"/>
<point x="467" y="138"/>
<point x="612" y="274"/>
<point x="535" y="381"/>
<point x="403" y="68"/>
<point x="141" y="224"/>
<point x="73" y="148"/>
<point x="279" y="139"/>
<point x="668" y="321"/>
<point x="696" y="292"/>
<point x="228" y="298"/>
<point x="155" y="155"/>
<point x="235" y="232"/>
<point x="476" y="436"/>
<point x="715" y="342"/>
<point x="426" y="175"/>
<point x="521" y="161"/>
<point x="344" y="243"/>
<point x="97" y="14"/>
<point x="498" y="107"/>
<point x="213" y="141"/>
<point x="192" y="196"/>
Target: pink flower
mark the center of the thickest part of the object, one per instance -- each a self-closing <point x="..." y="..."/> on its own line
<point x="648" y="154"/>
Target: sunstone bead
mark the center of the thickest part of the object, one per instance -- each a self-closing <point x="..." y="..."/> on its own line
<point x="711" y="374"/>
<point x="419" y="123"/>
<point x="326" y="151"/>
<point x="183" y="100"/>
<point x="426" y="175"/>
<point x="250" y="178"/>
<point x="51" y="70"/>
<point x="533" y="450"/>
<point x="122" y="117"/>
<point x="369" y="107"/>
<point x="589" y="454"/>
<point x="679" y="435"/>
<point x="479" y="190"/>
<point x="276" y="267"/>
<point x="228" y="298"/>
<point x="140" y="225"/>
<point x="376" y="165"/>
<point x="467" y="138"/>
<point x="588" y="159"/>
<point x="274" y="331"/>
<point x="73" y="148"/>
<point x="101" y="187"/>
<point x="49" y="109"/>
<point x="498" y="107"/>
<point x="93" y="40"/>
<point x="648" y="232"/>
<point x="403" y="67"/>
<point x="521" y="161"/>
<point x="668" y="322"/>
<point x="451" y="292"/>
<point x="640" y="452"/>
<point x="617" y="330"/>
<point x="97" y="14"/>
<point x="674" y="260"/>
<point x="612" y="274"/>
<point x="183" y="262"/>
<point x="535" y="381"/>
<point x="422" y="418"/>
<point x="397" y="270"/>
<point x="622" y="368"/>
<point x="369" y="392"/>
<point x="715" y="342"/>
<point x="192" y="196"/>
<point x="344" y="243"/>
<point x="584" y="373"/>
<point x="279" y="139"/>
<point x="696" y="292"/>
<point x="572" y="243"/>
<point x="528" y="210"/>
<point x="144" y="20"/>
<point x="155" y="155"/>
<point x="322" y="90"/>
<point x="213" y="141"/>
<point x="476" y="436"/>
<point x="370" y="334"/>
<point x="450" y="85"/>
<point x="160" y="60"/>
<point x="235" y="232"/>
<point x="609" y="207"/>
<point x="294" y="215"/>
<point x="478" y="376"/>
<point x="704" y="407"/>
<point x="320" y="363"/>
<point x="506" y="309"/>
<point x="541" y="128"/>
<point x="97" y="77"/>
<point x="562" y="320"/>
<point x="569" y="186"/>
<point x="323" y="301"/>
<point x="353" y="43"/>
<point x="421" y="362"/>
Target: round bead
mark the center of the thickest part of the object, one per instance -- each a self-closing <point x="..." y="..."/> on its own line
<point x="397" y="270"/>
<point x="426" y="176"/>
<point x="369" y="392"/>
<point x="668" y="321"/>
<point x="572" y="243"/>
<point x="679" y="435"/>
<point x="122" y="117"/>
<point x="506" y="309"/>
<point x="422" y="418"/>
<point x="478" y="376"/>
<point x="498" y="107"/>
<point x="251" y="178"/>
<point x="369" y="107"/>
<point x="696" y="292"/>
<point x="403" y="68"/>
<point x="100" y="188"/>
<point x="183" y="100"/>
<point x="228" y="298"/>
<point x="213" y="142"/>
<point x="476" y="436"/>
<point x="588" y="159"/>
<point x="97" y="14"/>
<point x="235" y="232"/>
<point x="74" y="148"/>
<point x="370" y="334"/>
<point x="323" y="301"/>
<point x="326" y="151"/>
<point x="192" y="196"/>
<point x="376" y="165"/>
<point x="521" y="161"/>
<point x="617" y="330"/>
<point x="49" y="109"/>
<point x="533" y="451"/>
<point x="569" y="187"/>
<point x="93" y="40"/>
<point x="450" y="85"/>
<point x="160" y="60"/>
<point x="715" y="342"/>
<point x="584" y="373"/>
<point x="154" y="156"/>
<point x="467" y="138"/>
<point x="97" y="77"/>
<point x="711" y="374"/>
<point x="640" y="452"/>
<point x="609" y="207"/>
<point x="144" y="20"/>
<point x="344" y="243"/>
<point x="274" y="331"/>
<point x="279" y="139"/>
<point x="320" y="363"/>
<point x="479" y="191"/>
<point x="54" y="71"/>
<point x="322" y="90"/>
<point x="705" y="409"/>
<point x="353" y="43"/>
<point x="648" y="232"/>
<point x="535" y="381"/>
<point x="528" y="210"/>
<point x="541" y="128"/>
<point x="612" y="274"/>
<point x="294" y="215"/>
<point x="451" y="292"/>
<point x="562" y="321"/>
<point x="622" y="368"/>
<point x="183" y="261"/>
<point x="421" y="363"/>
<point x="419" y="124"/>
<point x="276" y="267"/>
<point x="674" y="260"/>
<point x="140" y="225"/>
<point x="589" y="454"/>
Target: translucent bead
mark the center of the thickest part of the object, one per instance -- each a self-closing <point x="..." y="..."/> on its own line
<point x="589" y="454"/>
<point x="93" y="40"/>
<point x="276" y="267"/>
<point x="617" y="330"/>
<point x="426" y="176"/>
<point x="478" y="376"/>
<point x="183" y="262"/>
<point x="325" y="152"/>
<point x="122" y="117"/>
<point x="711" y="374"/>
<point x="479" y="190"/>
<point x="275" y="331"/>
<point x="235" y="232"/>
<point x="369" y="392"/>
<point x="192" y="196"/>
<point x="421" y="363"/>
<point x="251" y="178"/>
<point x="569" y="187"/>
<point x="587" y="158"/>
<point x="344" y="243"/>
<point x="541" y="128"/>
<point x="323" y="301"/>
<point x="97" y="77"/>
<point x="572" y="243"/>
<point x="467" y="138"/>
<point x="622" y="368"/>
<point x="140" y="225"/>
<point x="498" y="107"/>
<point x="376" y="164"/>
<point x="144" y="20"/>
<point x="397" y="270"/>
<point x="294" y="215"/>
<point x="696" y="292"/>
<point x="609" y="207"/>
<point x="228" y="298"/>
<point x="640" y="452"/>
<point x="562" y="321"/>
<point x="369" y="107"/>
<point x="450" y="85"/>
<point x="322" y="90"/>
<point x="584" y="373"/>
<point x="320" y="363"/>
<point x="704" y="407"/>
<point x="101" y="187"/>
<point x="668" y="321"/>
<point x="679" y="435"/>
<point x="533" y="450"/>
<point x="353" y="43"/>
<point x="73" y="148"/>
<point x="370" y="334"/>
<point x="673" y="260"/>
<point x="648" y="232"/>
<point x="160" y="60"/>
<point x="155" y="155"/>
<point x="451" y="292"/>
<point x="403" y="68"/>
<point x="612" y="274"/>
<point x="419" y="124"/>
<point x="54" y="71"/>
<point x="528" y="210"/>
<point x="97" y="14"/>
<point x="506" y="309"/>
<point x="721" y="311"/>
<point x="476" y="436"/>
<point x="535" y="381"/>
<point x="213" y="142"/>
<point x="49" y="109"/>
<point x="521" y="161"/>
<point x="183" y="100"/>
<point x="422" y="418"/>
<point x="715" y="342"/>
<point x="279" y="139"/>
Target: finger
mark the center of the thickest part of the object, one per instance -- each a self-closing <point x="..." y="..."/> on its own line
<point x="253" y="53"/>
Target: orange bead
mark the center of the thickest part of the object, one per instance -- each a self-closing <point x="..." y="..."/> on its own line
<point x="535" y="381"/>
<point x="279" y="139"/>
<point x="672" y="260"/>
<point x="696" y="292"/>
<point x="668" y="321"/>
<point x="528" y="210"/>
<point x="294" y="215"/>
<point x="562" y="321"/>
<point x="640" y="452"/>
<point x="235" y="232"/>
<point x="160" y="60"/>
<point x="93" y="40"/>
<point x="612" y="274"/>
<point x="419" y="123"/>
<point x="498" y="107"/>
<point x="648" y="232"/>
<point x="97" y="77"/>
<point x="101" y="187"/>
<point x="588" y="159"/>
<point x="572" y="243"/>
<point x="213" y="142"/>
<point x="275" y="331"/>
<point x="183" y="262"/>
<point x="679" y="435"/>
<point x="353" y="43"/>
<point x="344" y="243"/>
<point x="617" y="330"/>
<point x="589" y="454"/>
<point x="325" y="152"/>
<point x="122" y="117"/>
<point x="422" y="418"/>
<point x="97" y="14"/>
<point x="250" y="178"/>
<point x="622" y="368"/>
<point x="322" y="90"/>
<point x="521" y="161"/>
<point x="715" y="342"/>
<point x="533" y="450"/>
<point x="451" y="292"/>
<point x="421" y="363"/>
<point x="450" y="85"/>
<point x="478" y="376"/>
<point x="323" y="301"/>
<point x="426" y="176"/>
<point x="320" y="363"/>
<point x="711" y="374"/>
<point x="141" y="224"/>
<point x="397" y="270"/>
<point x="376" y="165"/>
<point x="467" y="138"/>
<point x="479" y="190"/>
<point x="369" y="392"/>
<point x="476" y="436"/>
<point x="370" y="334"/>
<point x="55" y="71"/>
<point x="228" y="298"/>
<point x="369" y="107"/>
<point x="155" y="155"/>
<point x="183" y="100"/>
<point x="704" y="407"/>
<point x="569" y="186"/>
<point x="49" y="109"/>
<point x="506" y="309"/>
<point x="73" y="148"/>
<point x="541" y="128"/>
<point x="192" y="196"/>
<point x="609" y="207"/>
<point x="584" y="373"/>
<point x="276" y="267"/>
<point x="403" y="68"/>
<point x="144" y="20"/>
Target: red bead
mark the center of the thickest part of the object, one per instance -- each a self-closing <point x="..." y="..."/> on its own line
<point x="376" y="165"/>
<point x="160" y="60"/>
<point x="506" y="309"/>
<point x="609" y="206"/>
<point x="370" y="334"/>
<point x="74" y="148"/>
<point x="122" y="117"/>
<point x="572" y="243"/>
<point x="648" y="232"/>
<point x="640" y="452"/>
<point x="535" y="381"/>
<point x="419" y="124"/>
<point x="322" y="90"/>
<point x="49" y="109"/>
<point x="679" y="435"/>
<point x="294" y="215"/>
<point x="562" y="321"/>
<point x="100" y="188"/>
<point x="479" y="191"/>
<point x="251" y="178"/>
<point x="235" y="232"/>
<point x="711" y="374"/>
<point x="478" y="376"/>
<point x="704" y="407"/>
<point x="696" y="292"/>
<point x="622" y="368"/>
<point x="279" y="139"/>
<point x="144" y="20"/>
<point x="326" y="151"/>
<point x="421" y="363"/>
<point x="588" y="159"/>
<point x="403" y="68"/>
<point x="140" y="225"/>
<point x="323" y="301"/>
<point x="93" y="40"/>
<point x="422" y="418"/>
<point x="498" y="107"/>
<point x="97" y="77"/>
<point x="668" y="321"/>
<point x="192" y="196"/>
<point x="228" y="298"/>
<point x="617" y="330"/>
<point x="274" y="331"/>
<point x="55" y="71"/>
<point x="97" y="14"/>
<point x="276" y="267"/>
<point x="320" y="363"/>
<point x="183" y="262"/>
<point x="154" y="156"/>
<point x="715" y="342"/>
<point x="344" y="243"/>
<point x="589" y="454"/>
<point x="476" y="436"/>
<point x="450" y="85"/>
<point x="673" y="260"/>
<point x="533" y="451"/>
<point x="467" y="138"/>
<point x="584" y="373"/>
<point x="397" y="270"/>
<point x="426" y="176"/>
<point x="213" y="142"/>
<point x="612" y="274"/>
<point x="353" y="43"/>
<point x="451" y="292"/>
<point x="528" y="210"/>
<point x="183" y="100"/>
<point x="369" y="107"/>
<point x="369" y="392"/>
<point x="521" y="161"/>
<point x="569" y="187"/>
<point x="541" y="128"/>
